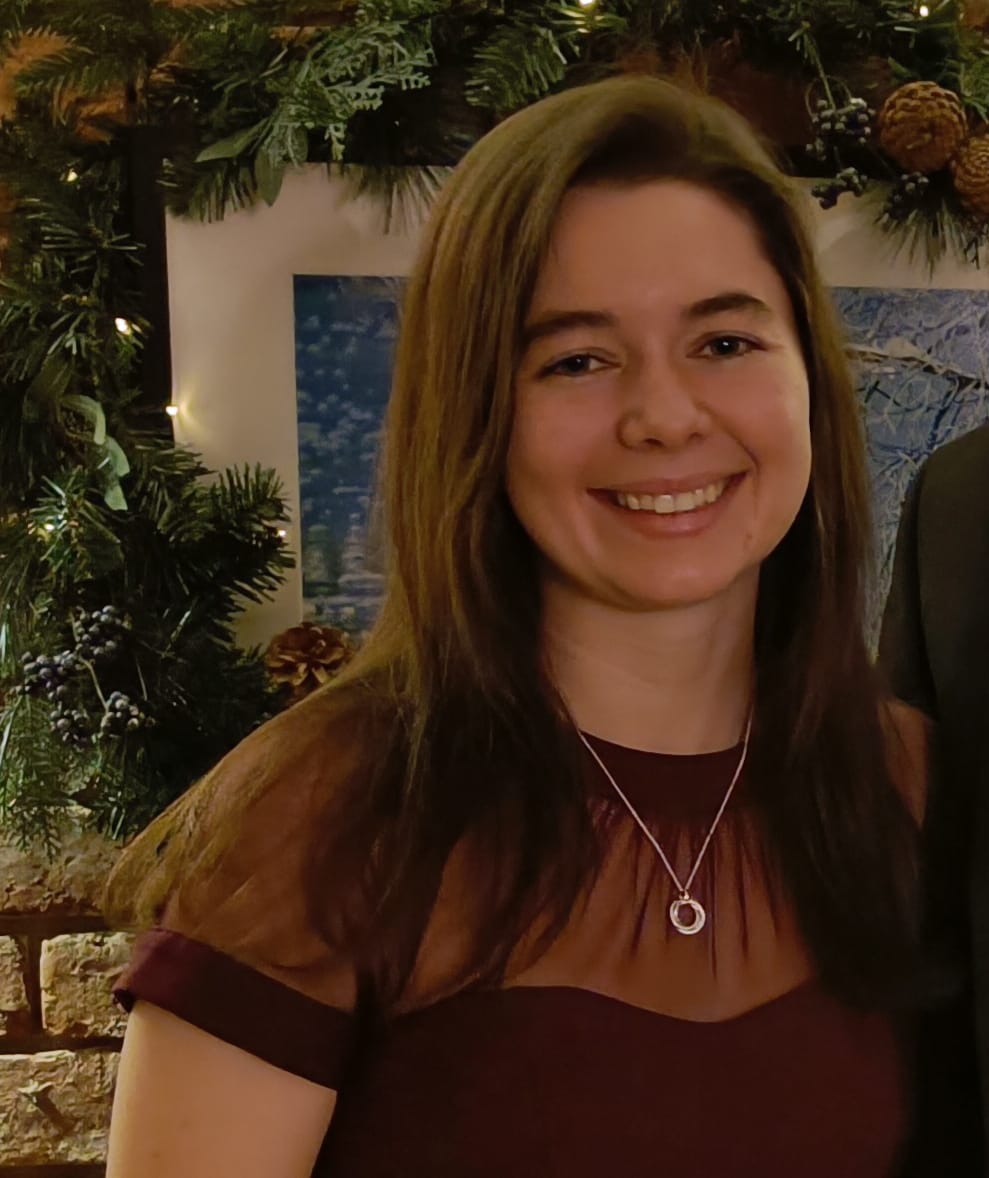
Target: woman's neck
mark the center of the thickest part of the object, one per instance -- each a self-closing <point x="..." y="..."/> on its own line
<point x="675" y="681"/>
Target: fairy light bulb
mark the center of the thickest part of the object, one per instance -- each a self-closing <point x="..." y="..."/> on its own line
<point x="123" y="325"/>
<point x="172" y="410"/>
<point x="923" y="11"/>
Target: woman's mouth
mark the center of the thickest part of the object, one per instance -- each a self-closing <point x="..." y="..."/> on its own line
<point x="675" y="504"/>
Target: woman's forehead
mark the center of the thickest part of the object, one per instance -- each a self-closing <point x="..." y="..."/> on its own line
<point x="669" y="244"/>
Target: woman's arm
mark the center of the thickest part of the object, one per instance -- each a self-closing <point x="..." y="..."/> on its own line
<point x="188" y="1105"/>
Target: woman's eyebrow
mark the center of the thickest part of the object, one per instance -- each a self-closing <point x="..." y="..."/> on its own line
<point x="729" y="300"/>
<point x="552" y="322"/>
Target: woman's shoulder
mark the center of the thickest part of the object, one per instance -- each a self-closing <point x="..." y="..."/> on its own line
<point x="254" y="815"/>
<point x="908" y="734"/>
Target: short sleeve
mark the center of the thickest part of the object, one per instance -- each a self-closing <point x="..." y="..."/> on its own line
<point x="236" y="951"/>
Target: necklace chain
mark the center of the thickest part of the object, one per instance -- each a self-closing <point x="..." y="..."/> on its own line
<point x="682" y="888"/>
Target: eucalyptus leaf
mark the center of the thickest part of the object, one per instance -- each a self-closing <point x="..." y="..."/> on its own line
<point x="269" y="172"/>
<point x="92" y="411"/>
<point x="114" y="497"/>
<point x="233" y="145"/>
<point x="118" y="458"/>
<point x="114" y="466"/>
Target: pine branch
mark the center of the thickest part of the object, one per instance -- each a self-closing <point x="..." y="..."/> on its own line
<point x="529" y="54"/>
<point x="518" y="64"/>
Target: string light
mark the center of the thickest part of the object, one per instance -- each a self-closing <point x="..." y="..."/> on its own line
<point x="587" y="3"/>
<point x="71" y="176"/>
<point x="123" y="325"/>
<point x="282" y="533"/>
<point x="49" y="527"/>
<point x="172" y="410"/>
<point x="923" y="11"/>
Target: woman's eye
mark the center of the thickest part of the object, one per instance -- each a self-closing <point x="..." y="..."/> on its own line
<point x="580" y="364"/>
<point x="727" y="347"/>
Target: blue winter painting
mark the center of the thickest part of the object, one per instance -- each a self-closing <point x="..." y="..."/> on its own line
<point x="922" y="358"/>
<point x="923" y="366"/>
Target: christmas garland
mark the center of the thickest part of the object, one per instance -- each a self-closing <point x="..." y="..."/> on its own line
<point x="120" y="571"/>
<point x="240" y="91"/>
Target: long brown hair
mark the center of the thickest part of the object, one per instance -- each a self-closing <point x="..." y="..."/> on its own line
<point x="450" y="723"/>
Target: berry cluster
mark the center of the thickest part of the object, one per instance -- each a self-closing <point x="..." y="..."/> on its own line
<point x="905" y="195"/>
<point x="122" y="715"/>
<point x="48" y="675"/>
<point x="72" y="725"/>
<point x="834" y="126"/>
<point x="99" y="637"/>
<point x="847" y="180"/>
<point x="100" y="634"/>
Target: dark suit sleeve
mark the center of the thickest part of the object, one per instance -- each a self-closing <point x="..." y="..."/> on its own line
<point x="946" y="1118"/>
<point x="902" y="641"/>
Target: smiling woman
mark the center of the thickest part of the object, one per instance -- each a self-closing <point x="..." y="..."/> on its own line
<point x="599" y="858"/>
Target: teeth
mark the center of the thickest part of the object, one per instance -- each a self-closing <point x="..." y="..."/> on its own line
<point x="673" y="504"/>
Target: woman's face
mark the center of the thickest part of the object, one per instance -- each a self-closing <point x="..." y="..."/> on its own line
<point x="661" y="444"/>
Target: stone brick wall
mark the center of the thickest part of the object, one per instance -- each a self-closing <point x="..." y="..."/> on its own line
<point x="60" y="1032"/>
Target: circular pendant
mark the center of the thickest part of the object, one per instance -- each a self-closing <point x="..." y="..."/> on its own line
<point x="698" y="917"/>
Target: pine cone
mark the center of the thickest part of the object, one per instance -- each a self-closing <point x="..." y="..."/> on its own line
<point x="307" y="656"/>
<point x="921" y="126"/>
<point x="970" y="172"/>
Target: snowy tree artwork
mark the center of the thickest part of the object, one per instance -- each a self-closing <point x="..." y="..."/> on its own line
<point x="922" y="360"/>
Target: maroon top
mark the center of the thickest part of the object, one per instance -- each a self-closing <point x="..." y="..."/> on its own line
<point x="626" y="1049"/>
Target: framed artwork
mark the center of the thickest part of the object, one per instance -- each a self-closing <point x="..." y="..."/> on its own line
<point x="923" y="374"/>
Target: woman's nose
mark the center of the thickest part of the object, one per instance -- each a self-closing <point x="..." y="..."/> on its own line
<point x="661" y="408"/>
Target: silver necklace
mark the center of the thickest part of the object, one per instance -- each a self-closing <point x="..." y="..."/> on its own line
<point x="684" y="900"/>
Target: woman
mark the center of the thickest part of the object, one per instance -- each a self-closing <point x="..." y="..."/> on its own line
<point x="599" y="859"/>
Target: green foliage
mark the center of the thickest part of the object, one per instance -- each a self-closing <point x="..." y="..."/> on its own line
<point x="529" y="54"/>
<point x="317" y="91"/>
<point x="98" y="507"/>
<point x="178" y="562"/>
<point x="242" y="93"/>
